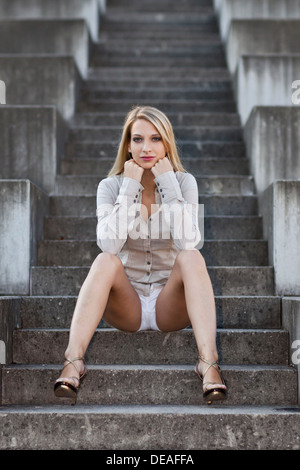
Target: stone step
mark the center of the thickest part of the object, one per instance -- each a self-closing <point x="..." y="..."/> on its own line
<point x="111" y="346"/>
<point x="165" y="106"/>
<point x="232" y="312"/>
<point x="170" y="24"/>
<point x="213" y="205"/>
<point x="215" y="253"/>
<point x="109" y="60"/>
<point x="197" y="149"/>
<point x="231" y="280"/>
<point x="168" y="49"/>
<point x="177" y="119"/>
<point x="161" y="41"/>
<point x="112" y="133"/>
<point x="232" y="164"/>
<point x="147" y="73"/>
<point x="118" y="385"/>
<point x="215" y="227"/>
<point x="164" y="94"/>
<point x="160" y="6"/>
<point x="146" y="84"/>
<point x="136" y="428"/>
<point x="87" y="185"/>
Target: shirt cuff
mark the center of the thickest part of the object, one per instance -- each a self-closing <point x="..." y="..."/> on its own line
<point x="129" y="190"/>
<point x="168" y="187"/>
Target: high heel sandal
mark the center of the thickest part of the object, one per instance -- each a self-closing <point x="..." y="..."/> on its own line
<point x="214" y="393"/>
<point x="65" y="389"/>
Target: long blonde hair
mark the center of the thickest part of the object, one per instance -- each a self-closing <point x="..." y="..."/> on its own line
<point x="164" y="127"/>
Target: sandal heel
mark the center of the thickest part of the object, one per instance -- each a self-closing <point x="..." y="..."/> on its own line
<point x="216" y="393"/>
<point x="65" y="389"/>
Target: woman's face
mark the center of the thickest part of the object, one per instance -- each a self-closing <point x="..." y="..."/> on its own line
<point x="146" y="144"/>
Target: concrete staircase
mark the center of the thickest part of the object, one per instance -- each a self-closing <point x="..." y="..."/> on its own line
<point x="141" y="391"/>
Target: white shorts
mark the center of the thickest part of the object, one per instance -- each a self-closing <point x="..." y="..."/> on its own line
<point x="148" y="321"/>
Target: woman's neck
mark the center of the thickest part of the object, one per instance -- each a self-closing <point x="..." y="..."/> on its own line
<point x="148" y="181"/>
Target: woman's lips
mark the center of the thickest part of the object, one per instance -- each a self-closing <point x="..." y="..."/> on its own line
<point x="147" y="158"/>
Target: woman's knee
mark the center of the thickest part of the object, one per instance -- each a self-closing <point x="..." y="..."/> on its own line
<point x="188" y="259"/>
<point x="106" y="262"/>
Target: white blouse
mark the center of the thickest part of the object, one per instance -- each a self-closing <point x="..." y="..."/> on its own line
<point x="148" y="249"/>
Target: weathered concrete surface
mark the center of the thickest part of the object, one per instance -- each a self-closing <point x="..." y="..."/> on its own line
<point x="259" y="9"/>
<point x="291" y="322"/>
<point x="266" y="80"/>
<point x="50" y="9"/>
<point x="150" y="427"/>
<point x="261" y="37"/>
<point x="63" y="37"/>
<point x="10" y="318"/>
<point x="22" y="208"/>
<point x="280" y="207"/>
<point x="41" y="80"/>
<point x="2" y="92"/>
<point x="273" y="144"/>
<point x="31" y="144"/>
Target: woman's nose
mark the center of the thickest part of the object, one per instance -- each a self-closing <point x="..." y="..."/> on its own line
<point x="147" y="146"/>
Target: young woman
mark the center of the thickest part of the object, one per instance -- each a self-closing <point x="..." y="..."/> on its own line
<point x="150" y="274"/>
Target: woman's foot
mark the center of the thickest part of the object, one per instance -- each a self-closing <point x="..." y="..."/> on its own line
<point x="67" y="385"/>
<point x="209" y="372"/>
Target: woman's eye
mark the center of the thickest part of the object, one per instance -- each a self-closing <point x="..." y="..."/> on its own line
<point x="156" y="139"/>
<point x="136" y="139"/>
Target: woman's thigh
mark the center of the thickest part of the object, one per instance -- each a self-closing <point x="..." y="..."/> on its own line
<point x="123" y="308"/>
<point x="171" y="310"/>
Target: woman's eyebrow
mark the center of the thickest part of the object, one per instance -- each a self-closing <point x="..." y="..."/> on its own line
<point x="140" y="135"/>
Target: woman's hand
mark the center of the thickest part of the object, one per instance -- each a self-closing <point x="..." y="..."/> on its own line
<point x="162" y="166"/>
<point x="133" y="170"/>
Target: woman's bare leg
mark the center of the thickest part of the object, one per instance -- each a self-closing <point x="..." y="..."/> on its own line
<point x="106" y="291"/>
<point x="188" y="298"/>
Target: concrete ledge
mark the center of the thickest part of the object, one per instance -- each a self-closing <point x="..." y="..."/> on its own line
<point x="2" y="92"/>
<point x="31" y="144"/>
<point x="279" y="205"/>
<point x="22" y="210"/>
<point x="63" y="37"/>
<point x="260" y="9"/>
<point x="291" y="323"/>
<point x="10" y="318"/>
<point x="258" y="37"/>
<point x="273" y="144"/>
<point x="266" y="80"/>
<point x="50" y="9"/>
<point x="42" y="80"/>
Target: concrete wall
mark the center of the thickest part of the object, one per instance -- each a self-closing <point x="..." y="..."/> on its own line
<point x="229" y="10"/>
<point x="22" y="209"/>
<point x="10" y="318"/>
<point x="32" y="141"/>
<point x="41" y="80"/>
<point x="2" y="92"/>
<point x="265" y="80"/>
<point x="291" y="322"/>
<point x="261" y="37"/>
<point x="63" y="37"/>
<point x="87" y="10"/>
<point x="280" y="207"/>
<point x="272" y="140"/>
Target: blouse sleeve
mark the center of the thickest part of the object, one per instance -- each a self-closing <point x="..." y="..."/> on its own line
<point x="116" y="212"/>
<point x="181" y="208"/>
